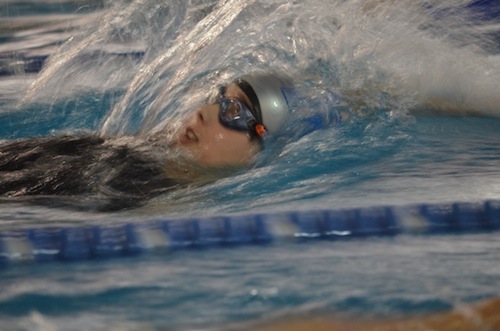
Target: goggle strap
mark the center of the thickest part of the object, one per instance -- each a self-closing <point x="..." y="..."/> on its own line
<point x="258" y="129"/>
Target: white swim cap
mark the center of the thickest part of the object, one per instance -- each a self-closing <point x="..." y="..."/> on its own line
<point x="268" y="94"/>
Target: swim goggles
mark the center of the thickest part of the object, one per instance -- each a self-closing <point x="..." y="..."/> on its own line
<point x="235" y="114"/>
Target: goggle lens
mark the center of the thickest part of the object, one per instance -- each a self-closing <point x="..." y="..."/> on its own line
<point x="232" y="110"/>
<point x="234" y="114"/>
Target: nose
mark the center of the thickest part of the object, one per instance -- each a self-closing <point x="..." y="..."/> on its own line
<point x="207" y="115"/>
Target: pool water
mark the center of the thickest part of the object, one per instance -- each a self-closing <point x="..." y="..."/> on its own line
<point x="130" y="67"/>
<point x="215" y="288"/>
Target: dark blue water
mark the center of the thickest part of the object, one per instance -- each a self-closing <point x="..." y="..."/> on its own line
<point x="127" y="73"/>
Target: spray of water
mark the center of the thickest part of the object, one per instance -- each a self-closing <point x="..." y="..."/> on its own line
<point x="396" y="55"/>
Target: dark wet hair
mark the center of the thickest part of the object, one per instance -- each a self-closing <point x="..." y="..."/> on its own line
<point x="84" y="172"/>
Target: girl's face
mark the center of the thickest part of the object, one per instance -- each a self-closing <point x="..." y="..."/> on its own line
<point x="213" y="144"/>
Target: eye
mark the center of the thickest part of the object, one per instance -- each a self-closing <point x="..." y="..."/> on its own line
<point x="233" y="110"/>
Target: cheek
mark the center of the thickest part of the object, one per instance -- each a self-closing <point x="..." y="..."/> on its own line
<point x="216" y="141"/>
<point x="228" y="148"/>
<point x="220" y="138"/>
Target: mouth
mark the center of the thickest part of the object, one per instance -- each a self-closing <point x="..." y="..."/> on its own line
<point x="188" y="137"/>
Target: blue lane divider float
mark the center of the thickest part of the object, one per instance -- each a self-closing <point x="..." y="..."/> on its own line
<point x="128" y="239"/>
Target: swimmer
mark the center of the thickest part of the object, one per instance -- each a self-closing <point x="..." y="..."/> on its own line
<point x="106" y="173"/>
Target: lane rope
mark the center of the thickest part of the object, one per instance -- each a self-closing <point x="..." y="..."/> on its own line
<point x="86" y="242"/>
